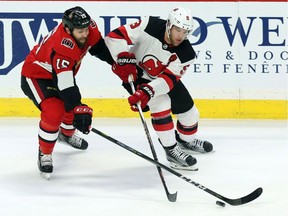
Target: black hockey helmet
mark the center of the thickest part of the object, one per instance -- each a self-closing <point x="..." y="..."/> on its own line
<point x="76" y="17"/>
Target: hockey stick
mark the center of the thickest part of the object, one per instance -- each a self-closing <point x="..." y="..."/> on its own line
<point x="171" y="197"/>
<point x="234" y="202"/>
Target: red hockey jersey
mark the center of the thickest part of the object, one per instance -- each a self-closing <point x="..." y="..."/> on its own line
<point x="67" y="55"/>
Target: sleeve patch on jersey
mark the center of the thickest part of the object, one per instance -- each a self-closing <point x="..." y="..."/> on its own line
<point x="93" y="23"/>
<point x="135" y="25"/>
<point x="65" y="80"/>
<point x="67" y="42"/>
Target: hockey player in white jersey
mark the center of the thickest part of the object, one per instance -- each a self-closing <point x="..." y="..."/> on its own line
<point x="158" y="53"/>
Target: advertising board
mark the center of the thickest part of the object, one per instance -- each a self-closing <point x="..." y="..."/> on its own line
<point x="241" y="67"/>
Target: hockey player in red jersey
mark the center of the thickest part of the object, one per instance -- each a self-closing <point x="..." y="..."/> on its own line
<point x="158" y="53"/>
<point x="48" y="79"/>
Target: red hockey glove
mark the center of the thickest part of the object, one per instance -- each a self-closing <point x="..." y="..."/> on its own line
<point x="82" y="118"/>
<point x="125" y="65"/>
<point x="144" y="93"/>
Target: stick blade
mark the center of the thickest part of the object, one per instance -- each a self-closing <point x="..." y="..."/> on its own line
<point x="172" y="197"/>
<point x="246" y="199"/>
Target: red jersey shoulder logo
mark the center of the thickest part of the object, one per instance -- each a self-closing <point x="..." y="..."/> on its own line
<point x="135" y="25"/>
<point x="93" y="24"/>
<point x="67" y="42"/>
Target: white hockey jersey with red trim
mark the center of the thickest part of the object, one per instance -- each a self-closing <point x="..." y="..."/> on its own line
<point x="162" y="63"/>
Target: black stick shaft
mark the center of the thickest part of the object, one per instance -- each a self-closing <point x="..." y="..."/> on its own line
<point x="170" y="197"/>
<point x="239" y="201"/>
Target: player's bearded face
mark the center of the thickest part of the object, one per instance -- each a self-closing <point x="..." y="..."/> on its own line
<point x="80" y="36"/>
<point x="177" y="35"/>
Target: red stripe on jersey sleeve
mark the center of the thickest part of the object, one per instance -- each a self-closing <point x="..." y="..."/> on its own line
<point x="120" y="33"/>
<point x="167" y="77"/>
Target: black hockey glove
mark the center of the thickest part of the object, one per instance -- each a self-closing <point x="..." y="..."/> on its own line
<point x="82" y="118"/>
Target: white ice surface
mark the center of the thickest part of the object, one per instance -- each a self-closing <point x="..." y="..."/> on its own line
<point x="108" y="180"/>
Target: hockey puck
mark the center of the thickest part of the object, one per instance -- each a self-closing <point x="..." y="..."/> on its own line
<point x="219" y="203"/>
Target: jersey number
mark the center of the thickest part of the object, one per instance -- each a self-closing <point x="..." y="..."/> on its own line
<point x="62" y="63"/>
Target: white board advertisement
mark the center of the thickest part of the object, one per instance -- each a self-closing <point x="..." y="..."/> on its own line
<point x="241" y="46"/>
